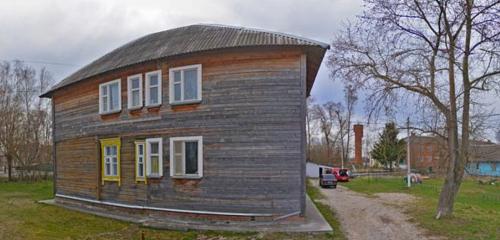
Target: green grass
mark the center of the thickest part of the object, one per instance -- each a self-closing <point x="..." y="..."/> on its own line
<point x="21" y="217"/>
<point x="327" y="212"/>
<point x="477" y="207"/>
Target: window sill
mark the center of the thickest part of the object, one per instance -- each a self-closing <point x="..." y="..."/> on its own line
<point x="153" y="105"/>
<point x="134" y="108"/>
<point x="110" y="112"/>
<point x="186" y="177"/>
<point x="186" y="102"/>
<point x="154" y="176"/>
<point x="111" y="179"/>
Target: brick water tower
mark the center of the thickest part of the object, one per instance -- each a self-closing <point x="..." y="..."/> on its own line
<point x="358" y="143"/>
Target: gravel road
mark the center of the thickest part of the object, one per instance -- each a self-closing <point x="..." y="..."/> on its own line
<point x="364" y="217"/>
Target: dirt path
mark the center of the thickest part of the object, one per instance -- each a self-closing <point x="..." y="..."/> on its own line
<point x="372" y="218"/>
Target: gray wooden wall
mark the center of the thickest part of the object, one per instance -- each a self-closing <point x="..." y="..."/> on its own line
<point x="251" y="119"/>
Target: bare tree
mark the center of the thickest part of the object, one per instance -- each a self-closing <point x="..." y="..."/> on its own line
<point x="342" y="116"/>
<point x="309" y="125"/>
<point x="425" y="48"/>
<point x="25" y="122"/>
<point x="321" y="115"/>
<point x="338" y="111"/>
<point x="351" y="97"/>
<point x="10" y="117"/>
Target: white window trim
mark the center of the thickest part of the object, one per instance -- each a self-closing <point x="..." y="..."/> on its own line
<point x="200" y="157"/>
<point x="109" y="100"/>
<point x="110" y="157"/>
<point x="171" y="85"/>
<point x="129" y="92"/>
<point x="148" y="156"/>
<point x="157" y="72"/>
<point x="144" y="173"/>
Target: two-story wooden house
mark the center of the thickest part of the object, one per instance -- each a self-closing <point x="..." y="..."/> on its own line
<point x="202" y="120"/>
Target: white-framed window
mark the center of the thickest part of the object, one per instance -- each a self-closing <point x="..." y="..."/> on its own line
<point x="111" y="161"/>
<point x="110" y="100"/>
<point x="153" y="88"/>
<point x="134" y="91"/>
<point x="154" y="157"/>
<point x="186" y="157"/>
<point x="185" y="84"/>
<point x="140" y="161"/>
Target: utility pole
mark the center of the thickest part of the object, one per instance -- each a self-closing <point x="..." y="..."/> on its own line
<point x="408" y="166"/>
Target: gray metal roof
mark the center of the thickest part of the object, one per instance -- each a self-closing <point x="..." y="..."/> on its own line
<point x="183" y="40"/>
<point x="485" y="153"/>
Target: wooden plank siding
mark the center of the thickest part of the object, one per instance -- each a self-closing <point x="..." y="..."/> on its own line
<point x="251" y="119"/>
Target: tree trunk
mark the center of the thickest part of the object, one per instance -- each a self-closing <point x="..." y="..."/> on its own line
<point x="9" y="167"/>
<point x="453" y="176"/>
<point x="450" y="188"/>
<point x="459" y="154"/>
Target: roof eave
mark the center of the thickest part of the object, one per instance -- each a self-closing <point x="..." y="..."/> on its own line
<point x="47" y="94"/>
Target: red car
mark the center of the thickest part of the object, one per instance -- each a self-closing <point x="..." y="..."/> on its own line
<point x="342" y="174"/>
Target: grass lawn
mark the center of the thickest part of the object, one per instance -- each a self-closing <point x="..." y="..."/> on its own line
<point x="477" y="207"/>
<point x="21" y="217"/>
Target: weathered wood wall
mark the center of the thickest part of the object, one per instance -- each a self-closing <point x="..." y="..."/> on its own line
<point x="251" y="119"/>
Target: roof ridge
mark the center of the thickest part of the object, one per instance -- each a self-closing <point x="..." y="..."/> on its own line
<point x="296" y="37"/>
<point x="183" y="40"/>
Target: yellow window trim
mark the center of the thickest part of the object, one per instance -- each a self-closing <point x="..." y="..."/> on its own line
<point x="137" y="178"/>
<point x="105" y="143"/>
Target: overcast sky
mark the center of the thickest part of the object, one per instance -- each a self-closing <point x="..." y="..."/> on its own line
<point x="74" y="33"/>
<point x="70" y="34"/>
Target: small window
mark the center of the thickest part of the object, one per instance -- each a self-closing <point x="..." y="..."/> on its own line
<point x="153" y="88"/>
<point x="185" y="84"/>
<point x="110" y="157"/>
<point x="154" y="157"/>
<point x="186" y="157"/>
<point x="140" y="161"/>
<point x="134" y="87"/>
<point x="110" y="97"/>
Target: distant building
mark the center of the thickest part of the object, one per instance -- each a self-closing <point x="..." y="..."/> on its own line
<point x="485" y="161"/>
<point x="429" y="153"/>
<point x="312" y="169"/>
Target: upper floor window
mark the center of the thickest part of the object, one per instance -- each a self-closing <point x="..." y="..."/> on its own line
<point x="185" y="84"/>
<point x="134" y="88"/>
<point x="153" y="88"/>
<point x="110" y="97"/>
<point x="186" y="157"/>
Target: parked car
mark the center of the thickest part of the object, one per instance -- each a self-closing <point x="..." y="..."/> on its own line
<point x="342" y="174"/>
<point x="327" y="178"/>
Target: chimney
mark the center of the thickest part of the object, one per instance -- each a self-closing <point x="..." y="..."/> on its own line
<point x="358" y="142"/>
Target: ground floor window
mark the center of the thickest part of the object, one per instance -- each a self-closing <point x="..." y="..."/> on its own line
<point x="140" y="161"/>
<point x="110" y="158"/>
<point x="154" y="157"/>
<point x="186" y="157"/>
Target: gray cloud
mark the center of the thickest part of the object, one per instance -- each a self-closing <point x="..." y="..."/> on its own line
<point x="76" y="32"/>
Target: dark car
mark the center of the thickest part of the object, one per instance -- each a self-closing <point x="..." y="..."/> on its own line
<point x="327" y="178"/>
